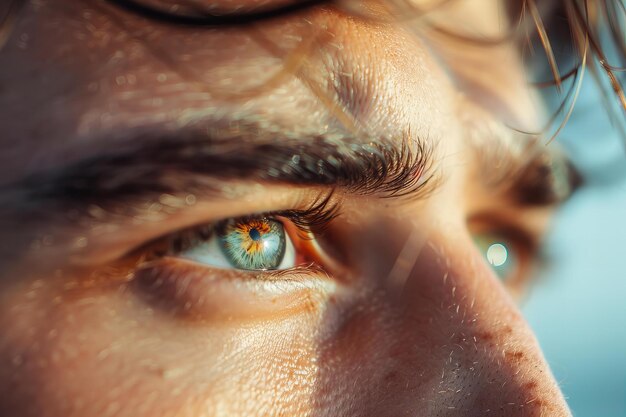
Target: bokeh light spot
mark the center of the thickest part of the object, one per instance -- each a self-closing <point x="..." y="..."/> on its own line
<point x="497" y="254"/>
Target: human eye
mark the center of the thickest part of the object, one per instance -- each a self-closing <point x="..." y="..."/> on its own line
<point x="262" y="242"/>
<point x="235" y="265"/>
<point x="510" y="253"/>
<point x="249" y="243"/>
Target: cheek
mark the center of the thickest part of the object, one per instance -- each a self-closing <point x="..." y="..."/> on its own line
<point x="448" y="336"/>
<point x="109" y="354"/>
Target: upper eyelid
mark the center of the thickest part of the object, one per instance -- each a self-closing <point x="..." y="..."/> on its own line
<point x="494" y="223"/>
<point x="178" y="242"/>
<point x="312" y="219"/>
<point x="316" y="217"/>
<point x="111" y="236"/>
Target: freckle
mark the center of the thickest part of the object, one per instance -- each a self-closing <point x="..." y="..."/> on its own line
<point x="530" y="385"/>
<point x="390" y="376"/>
<point x="485" y="336"/>
<point x="515" y="355"/>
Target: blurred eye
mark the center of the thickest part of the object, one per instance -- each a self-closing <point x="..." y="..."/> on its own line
<point x="251" y="243"/>
<point x="501" y="254"/>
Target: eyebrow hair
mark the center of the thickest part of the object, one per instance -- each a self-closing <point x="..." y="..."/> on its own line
<point x="545" y="180"/>
<point x="190" y="159"/>
<point x="527" y="172"/>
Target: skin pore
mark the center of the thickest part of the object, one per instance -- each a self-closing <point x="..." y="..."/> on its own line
<point x="392" y="145"/>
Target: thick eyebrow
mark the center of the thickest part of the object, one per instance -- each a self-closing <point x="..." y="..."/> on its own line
<point x="527" y="172"/>
<point x="547" y="179"/>
<point x="194" y="159"/>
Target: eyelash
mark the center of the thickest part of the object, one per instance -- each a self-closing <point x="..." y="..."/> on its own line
<point x="314" y="219"/>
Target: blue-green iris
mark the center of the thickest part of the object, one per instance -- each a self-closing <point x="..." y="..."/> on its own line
<point x="256" y="244"/>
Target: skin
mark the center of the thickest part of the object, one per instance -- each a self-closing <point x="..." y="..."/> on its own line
<point x="410" y="321"/>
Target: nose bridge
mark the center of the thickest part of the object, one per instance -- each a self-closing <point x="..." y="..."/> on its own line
<point x="483" y="359"/>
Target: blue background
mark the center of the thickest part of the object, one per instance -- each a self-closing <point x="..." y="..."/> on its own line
<point x="578" y="308"/>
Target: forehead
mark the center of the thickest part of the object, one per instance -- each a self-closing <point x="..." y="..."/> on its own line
<point x="81" y="76"/>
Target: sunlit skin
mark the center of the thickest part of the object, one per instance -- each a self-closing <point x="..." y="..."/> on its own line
<point x="406" y="317"/>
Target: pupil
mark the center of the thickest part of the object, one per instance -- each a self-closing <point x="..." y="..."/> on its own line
<point x="255" y="234"/>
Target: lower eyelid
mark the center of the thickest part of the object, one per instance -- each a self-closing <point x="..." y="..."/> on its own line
<point x="188" y="290"/>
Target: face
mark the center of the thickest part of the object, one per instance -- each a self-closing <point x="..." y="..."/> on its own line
<point x="328" y="213"/>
